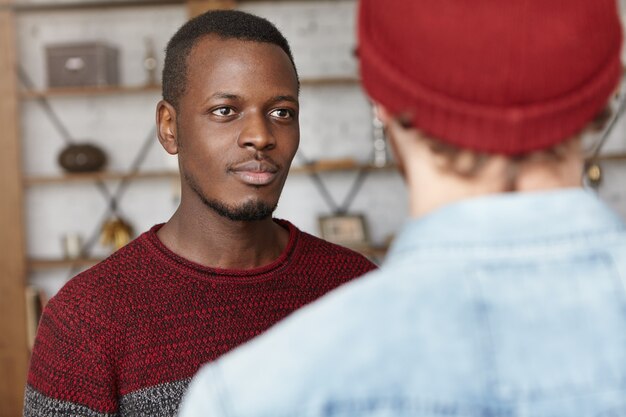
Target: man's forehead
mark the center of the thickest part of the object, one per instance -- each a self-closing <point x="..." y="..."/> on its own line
<point x="237" y="56"/>
<point x="213" y="43"/>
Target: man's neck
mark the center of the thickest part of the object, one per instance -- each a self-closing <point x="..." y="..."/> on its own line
<point x="432" y="184"/>
<point x="431" y="189"/>
<point x="212" y="240"/>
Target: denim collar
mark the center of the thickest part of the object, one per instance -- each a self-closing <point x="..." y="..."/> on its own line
<point x="509" y="217"/>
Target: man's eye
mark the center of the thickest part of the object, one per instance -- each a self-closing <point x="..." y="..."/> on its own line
<point x="282" y="113"/>
<point x="223" y="111"/>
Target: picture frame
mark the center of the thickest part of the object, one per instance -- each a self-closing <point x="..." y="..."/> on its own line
<point x="344" y="229"/>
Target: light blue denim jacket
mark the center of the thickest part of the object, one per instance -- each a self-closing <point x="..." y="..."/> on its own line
<point x="507" y="305"/>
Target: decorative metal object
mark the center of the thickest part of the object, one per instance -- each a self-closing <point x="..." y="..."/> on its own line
<point x="593" y="172"/>
<point x="380" y="142"/>
<point x="116" y="232"/>
<point x="82" y="157"/>
<point x="150" y="62"/>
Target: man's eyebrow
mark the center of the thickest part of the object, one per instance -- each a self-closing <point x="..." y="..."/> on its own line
<point x="220" y="94"/>
<point x="292" y="99"/>
<point x="275" y="99"/>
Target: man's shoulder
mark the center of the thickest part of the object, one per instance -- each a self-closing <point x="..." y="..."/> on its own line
<point x="323" y="251"/>
<point x="105" y="278"/>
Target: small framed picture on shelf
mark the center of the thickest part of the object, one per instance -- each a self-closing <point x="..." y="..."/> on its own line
<point x="344" y="229"/>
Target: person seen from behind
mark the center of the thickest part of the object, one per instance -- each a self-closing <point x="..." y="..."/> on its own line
<point x="505" y="292"/>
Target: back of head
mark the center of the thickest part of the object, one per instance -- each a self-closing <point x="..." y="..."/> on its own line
<point x="225" y="24"/>
<point x="507" y="77"/>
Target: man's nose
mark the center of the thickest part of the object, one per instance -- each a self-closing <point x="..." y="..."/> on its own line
<point x="256" y="133"/>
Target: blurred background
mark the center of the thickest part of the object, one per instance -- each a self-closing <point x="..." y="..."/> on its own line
<point x="82" y="172"/>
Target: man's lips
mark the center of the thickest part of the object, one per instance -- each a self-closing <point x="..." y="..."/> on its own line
<point x="255" y="172"/>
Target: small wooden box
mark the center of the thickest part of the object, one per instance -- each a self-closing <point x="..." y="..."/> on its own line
<point x="82" y="64"/>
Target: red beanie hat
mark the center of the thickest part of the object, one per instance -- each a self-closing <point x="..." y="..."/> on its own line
<point x="499" y="76"/>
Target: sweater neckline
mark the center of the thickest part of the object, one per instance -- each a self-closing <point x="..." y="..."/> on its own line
<point x="179" y="262"/>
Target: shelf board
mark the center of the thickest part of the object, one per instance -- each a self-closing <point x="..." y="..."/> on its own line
<point x="617" y="156"/>
<point x="137" y="89"/>
<point x="90" y="91"/>
<point x="98" y="176"/>
<point x="48" y="6"/>
<point x="338" y="165"/>
<point x="321" y="166"/>
<point x="41" y="264"/>
<point x="329" y="81"/>
<point x="318" y="167"/>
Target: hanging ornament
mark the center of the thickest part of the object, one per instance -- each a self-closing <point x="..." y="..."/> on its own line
<point x="150" y="62"/>
<point x="593" y="172"/>
<point x="82" y="157"/>
<point x="380" y="141"/>
<point x="116" y="232"/>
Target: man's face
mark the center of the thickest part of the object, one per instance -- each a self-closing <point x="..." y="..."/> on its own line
<point x="237" y="126"/>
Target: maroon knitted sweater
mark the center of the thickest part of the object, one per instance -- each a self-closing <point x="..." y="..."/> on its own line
<point x="125" y="337"/>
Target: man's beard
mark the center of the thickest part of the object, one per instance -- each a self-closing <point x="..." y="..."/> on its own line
<point x="251" y="210"/>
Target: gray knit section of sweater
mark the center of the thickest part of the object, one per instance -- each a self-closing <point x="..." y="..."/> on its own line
<point x="158" y="401"/>
<point x="38" y="405"/>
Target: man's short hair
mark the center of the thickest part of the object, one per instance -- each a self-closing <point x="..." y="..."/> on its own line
<point x="468" y="163"/>
<point x="226" y="24"/>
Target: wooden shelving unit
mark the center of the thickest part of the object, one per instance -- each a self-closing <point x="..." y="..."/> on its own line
<point x="98" y="176"/>
<point x="90" y="91"/>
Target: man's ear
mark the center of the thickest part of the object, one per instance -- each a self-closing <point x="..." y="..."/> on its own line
<point x="166" y="127"/>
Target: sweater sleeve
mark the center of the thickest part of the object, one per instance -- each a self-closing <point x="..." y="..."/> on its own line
<point x="72" y="370"/>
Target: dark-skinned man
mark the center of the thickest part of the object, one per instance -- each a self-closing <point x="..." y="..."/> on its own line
<point x="125" y="337"/>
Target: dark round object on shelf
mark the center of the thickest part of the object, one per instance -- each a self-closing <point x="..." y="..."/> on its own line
<point x="82" y="157"/>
